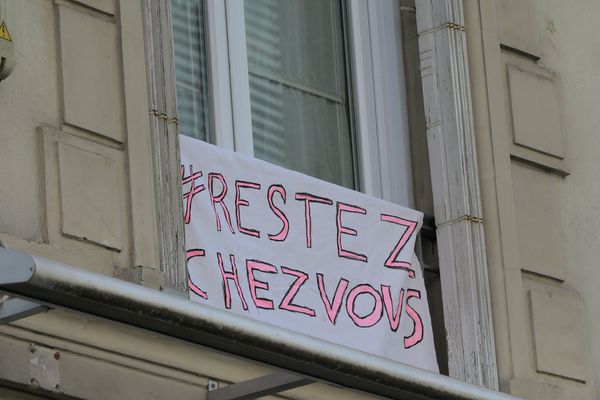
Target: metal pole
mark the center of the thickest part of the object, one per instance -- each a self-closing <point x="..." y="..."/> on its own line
<point x="59" y="285"/>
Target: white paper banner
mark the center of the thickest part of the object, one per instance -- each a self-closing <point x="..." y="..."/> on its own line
<point x="300" y="253"/>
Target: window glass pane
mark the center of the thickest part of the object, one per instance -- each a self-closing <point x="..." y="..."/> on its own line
<point x="298" y="89"/>
<point x="191" y="73"/>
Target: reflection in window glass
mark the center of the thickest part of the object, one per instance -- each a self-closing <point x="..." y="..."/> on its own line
<point x="298" y="88"/>
<point x="191" y="74"/>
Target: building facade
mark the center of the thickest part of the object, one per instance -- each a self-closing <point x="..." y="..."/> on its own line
<point x="478" y="113"/>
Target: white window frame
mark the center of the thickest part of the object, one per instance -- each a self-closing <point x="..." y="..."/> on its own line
<point x="381" y="120"/>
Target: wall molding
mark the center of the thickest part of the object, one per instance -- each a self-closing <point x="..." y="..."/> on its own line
<point x="457" y="198"/>
<point x="165" y="142"/>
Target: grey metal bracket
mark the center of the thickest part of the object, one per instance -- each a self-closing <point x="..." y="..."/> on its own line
<point x="14" y="308"/>
<point x="258" y="387"/>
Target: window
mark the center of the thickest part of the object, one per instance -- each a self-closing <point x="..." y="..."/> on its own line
<point x="298" y="87"/>
<point x="379" y="125"/>
<point x="299" y="84"/>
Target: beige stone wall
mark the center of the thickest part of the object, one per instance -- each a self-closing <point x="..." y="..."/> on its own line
<point x="535" y="91"/>
<point x="77" y="182"/>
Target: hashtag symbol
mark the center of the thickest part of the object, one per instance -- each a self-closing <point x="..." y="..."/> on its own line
<point x="194" y="190"/>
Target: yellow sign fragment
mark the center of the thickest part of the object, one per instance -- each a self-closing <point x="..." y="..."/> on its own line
<point x="4" y="32"/>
